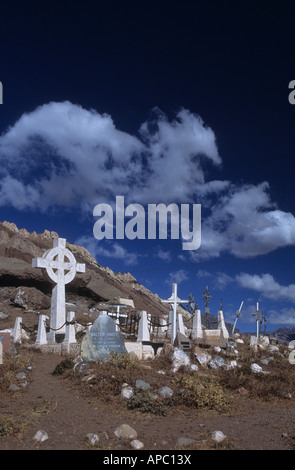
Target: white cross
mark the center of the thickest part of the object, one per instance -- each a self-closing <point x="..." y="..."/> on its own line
<point x="61" y="267"/>
<point x="174" y="300"/>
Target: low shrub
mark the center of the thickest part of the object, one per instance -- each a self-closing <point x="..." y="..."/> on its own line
<point x="144" y="401"/>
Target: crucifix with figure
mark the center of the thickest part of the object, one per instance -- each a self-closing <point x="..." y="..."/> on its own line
<point x="174" y="300"/>
<point x="61" y="267"/>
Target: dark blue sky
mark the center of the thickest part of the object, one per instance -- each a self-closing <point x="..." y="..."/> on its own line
<point x="229" y="63"/>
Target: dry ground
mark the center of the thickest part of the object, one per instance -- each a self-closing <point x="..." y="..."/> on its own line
<point x="67" y="409"/>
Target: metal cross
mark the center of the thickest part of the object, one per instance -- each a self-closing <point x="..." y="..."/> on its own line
<point x="207" y="297"/>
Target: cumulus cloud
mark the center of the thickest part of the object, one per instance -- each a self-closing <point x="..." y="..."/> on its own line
<point x="244" y="222"/>
<point x="63" y="155"/>
<point x="267" y="286"/>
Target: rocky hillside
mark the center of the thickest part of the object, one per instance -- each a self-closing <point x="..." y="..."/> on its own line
<point x="24" y="289"/>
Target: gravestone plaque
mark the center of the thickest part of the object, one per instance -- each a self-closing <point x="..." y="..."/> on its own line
<point x="101" y="340"/>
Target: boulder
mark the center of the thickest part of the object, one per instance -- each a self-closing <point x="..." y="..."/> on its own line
<point x="124" y="431"/>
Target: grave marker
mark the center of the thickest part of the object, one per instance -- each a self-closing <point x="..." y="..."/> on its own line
<point x="102" y="339"/>
<point x="174" y="300"/>
<point x="61" y="267"/>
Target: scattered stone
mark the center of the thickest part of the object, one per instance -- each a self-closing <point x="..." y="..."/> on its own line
<point x="161" y="372"/>
<point x="14" y="388"/>
<point x="127" y="391"/>
<point x="185" y="441"/>
<point x="264" y="362"/>
<point x="203" y="358"/>
<point x="273" y="348"/>
<point x="88" y="378"/>
<point x="243" y="391"/>
<point x="124" y="431"/>
<point x="216" y="362"/>
<point x="137" y="445"/>
<point x="253" y="341"/>
<point x="21" y="376"/>
<point x="142" y="384"/>
<point x="179" y="358"/>
<point x="218" y="436"/>
<point x="81" y="369"/>
<point x="263" y="342"/>
<point x="256" y="368"/>
<point x="239" y="340"/>
<point x="165" y="392"/>
<point x="92" y="438"/>
<point x="230" y="365"/>
<point x="40" y="436"/>
<point x="3" y="316"/>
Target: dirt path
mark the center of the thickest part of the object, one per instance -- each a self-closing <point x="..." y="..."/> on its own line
<point x="52" y="406"/>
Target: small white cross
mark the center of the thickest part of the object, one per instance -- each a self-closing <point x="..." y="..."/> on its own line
<point x="174" y="300"/>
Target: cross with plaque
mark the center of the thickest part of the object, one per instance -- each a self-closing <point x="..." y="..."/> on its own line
<point x="61" y="267"/>
<point x="174" y="301"/>
<point x="258" y="317"/>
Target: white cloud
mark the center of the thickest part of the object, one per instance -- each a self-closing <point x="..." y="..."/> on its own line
<point x="266" y="285"/>
<point x="63" y="155"/>
<point x="244" y="222"/>
<point x="202" y="273"/>
<point x="116" y="251"/>
<point x="177" y="277"/>
<point x="285" y="317"/>
<point x="163" y="254"/>
<point x="222" y="280"/>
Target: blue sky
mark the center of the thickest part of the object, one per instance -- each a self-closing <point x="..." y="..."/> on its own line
<point x="159" y="102"/>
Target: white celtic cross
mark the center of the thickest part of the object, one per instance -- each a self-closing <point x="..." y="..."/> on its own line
<point x="61" y="267"/>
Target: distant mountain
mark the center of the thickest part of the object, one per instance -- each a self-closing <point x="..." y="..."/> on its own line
<point x="283" y="335"/>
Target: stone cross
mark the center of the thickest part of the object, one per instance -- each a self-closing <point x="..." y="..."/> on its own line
<point x="61" y="267"/>
<point x="174" y="300"/>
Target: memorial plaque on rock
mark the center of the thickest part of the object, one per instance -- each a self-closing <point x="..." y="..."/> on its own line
<point x="183" y="342"/>
<point x="101" y="340"/>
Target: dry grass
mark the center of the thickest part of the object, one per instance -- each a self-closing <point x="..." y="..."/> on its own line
<point x="15" y="426"/>
<point x="278" y="381"/>
<point x="11" y="365"/>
